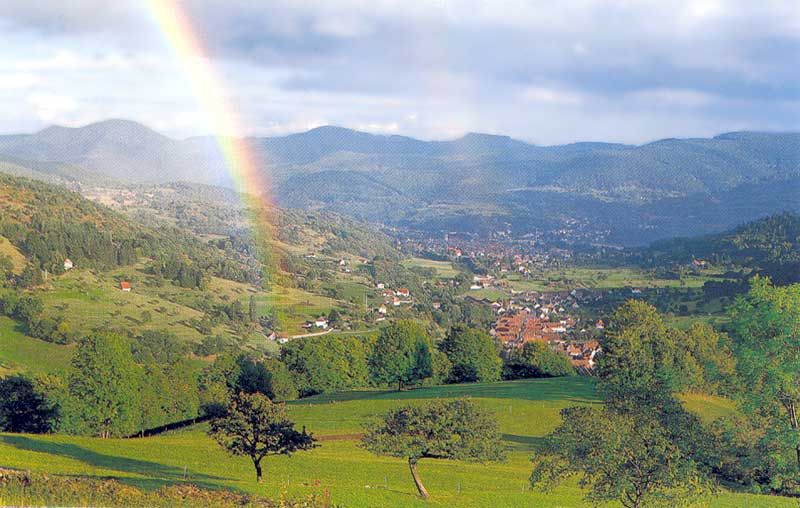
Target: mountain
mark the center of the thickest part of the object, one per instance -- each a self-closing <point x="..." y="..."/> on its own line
<point x="628" y="194"/>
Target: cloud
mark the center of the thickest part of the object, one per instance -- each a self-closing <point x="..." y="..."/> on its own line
<point x="544" y="71"/>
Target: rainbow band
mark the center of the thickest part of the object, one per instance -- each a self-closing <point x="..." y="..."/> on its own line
<point x="241" y="162"/>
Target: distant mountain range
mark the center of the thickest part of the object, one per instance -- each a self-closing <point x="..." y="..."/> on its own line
<point x="625" y="194"/>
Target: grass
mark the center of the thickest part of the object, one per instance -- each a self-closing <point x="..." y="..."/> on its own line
<point x="18" y="352"/>
<point x="444" y="269"/>
<point x="603" y="278"/>
<point x="17" y="258"/>
<point x="526" y="411"/>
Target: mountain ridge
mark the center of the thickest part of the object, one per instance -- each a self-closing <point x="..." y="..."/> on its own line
<point x="402" y="180"/>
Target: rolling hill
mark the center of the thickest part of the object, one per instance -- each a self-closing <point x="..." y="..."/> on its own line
<point x="630" y="194"/>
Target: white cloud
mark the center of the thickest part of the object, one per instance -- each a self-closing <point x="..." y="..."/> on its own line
<point x="52" y="107"/>
<point x="551" y="96"/>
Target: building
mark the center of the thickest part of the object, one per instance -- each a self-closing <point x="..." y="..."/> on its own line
<point x="125" y="286"/>
<point x="68" y="265"/>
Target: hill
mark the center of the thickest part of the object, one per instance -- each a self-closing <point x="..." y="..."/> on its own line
<point x="625" y="194"/>
<point x="526" y="411"/>
<point x="770" y="245"/>
<point x="185" y="250"/>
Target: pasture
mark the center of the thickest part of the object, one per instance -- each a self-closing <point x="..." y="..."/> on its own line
<point x="526" y="411"/>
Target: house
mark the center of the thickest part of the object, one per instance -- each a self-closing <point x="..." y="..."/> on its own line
<point x="68" y="265"/>
<point x="403" y="292"/>
<point x="381" y="285"/>
<point x="342" y="262"/>
<point x="600" y="325"/>
<point x="382" y="309"/>
<point x="321" y="322"/>
<point x="437" y="305"/>
<point x="125" y="286"/>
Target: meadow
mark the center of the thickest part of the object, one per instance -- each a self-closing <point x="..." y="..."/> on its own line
<point x="20" y="353"/>
<point x="603" y="278"/>
<point x="444" y="269"/>
<point x="526" y="411"/>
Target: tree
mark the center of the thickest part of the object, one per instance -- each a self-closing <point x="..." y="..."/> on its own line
<point x="253" y="310"/>
<point x="473" y="355"/>
<point x="23" y="408"/>
<point x="643" y="360"/>
<point x="455" y="430"/>
<point x="618" y="457"/>
<point x="102" y="385"/>
<point x="255" y="427"/>
<point x="536" y="359"/>
<point x="401" y="354"/>
<point x="766" y="327"/>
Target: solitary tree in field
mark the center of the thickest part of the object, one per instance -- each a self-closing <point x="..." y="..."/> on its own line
<point x="619" y="458"/>
<point x="256" y="428"/>
<point x="401" y="354"/>
<point x="456" y="430"/>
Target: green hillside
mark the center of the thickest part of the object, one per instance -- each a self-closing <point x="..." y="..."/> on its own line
<point x="526" y="411"/>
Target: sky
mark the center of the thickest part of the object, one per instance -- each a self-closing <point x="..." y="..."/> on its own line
<point x="542" y="71"/>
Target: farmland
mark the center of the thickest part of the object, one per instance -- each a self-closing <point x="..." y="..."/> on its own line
<point x="526" y="411"/>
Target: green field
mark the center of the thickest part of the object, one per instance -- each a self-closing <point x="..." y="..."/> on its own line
<point x="17" y="259"/>
<point x="526" y="411"/>
<point x="18" y="352"/>
<point x="444" y="269"/>
<point x="602" y="278"/>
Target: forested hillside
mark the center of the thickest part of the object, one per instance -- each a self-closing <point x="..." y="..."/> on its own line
<point x="770" y="246"/>
<point x="627" y="194"/>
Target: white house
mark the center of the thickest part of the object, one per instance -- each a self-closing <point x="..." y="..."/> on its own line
<point x="68" y="264"/>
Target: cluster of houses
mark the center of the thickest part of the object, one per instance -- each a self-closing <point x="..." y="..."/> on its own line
<point x="392" y="298"/>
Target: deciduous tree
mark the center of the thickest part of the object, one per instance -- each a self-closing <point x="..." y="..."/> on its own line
<point x="455" y="429"/>
<point x="255" y="427"/>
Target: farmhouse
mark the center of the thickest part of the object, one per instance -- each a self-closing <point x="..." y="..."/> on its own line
<point x="68" y="264"/>
<point x="125" y="286"/>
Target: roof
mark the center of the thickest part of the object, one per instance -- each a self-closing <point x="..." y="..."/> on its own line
<point x="125" y="285"/>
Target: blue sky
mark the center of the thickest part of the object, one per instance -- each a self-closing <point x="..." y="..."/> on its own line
<point x="543" y="71"/>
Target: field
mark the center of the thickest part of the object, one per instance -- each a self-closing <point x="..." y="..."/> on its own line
<point x="16" y="257"/>
<point x="602" y="278"/>
<point x="18" y="352"/>
<point x="526" y="411"/>
<point x="444" y="269"/>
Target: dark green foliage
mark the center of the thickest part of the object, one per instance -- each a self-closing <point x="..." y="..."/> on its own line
<point x="770" y="245"/>
<point x="454" y="429"/>
<point x="103" y="386"/>
<point x="644" y="360"/>
<point x="23" y="408"/>
<point x="767" y="345"/>
<point x="255" y="427"/>
<point x="401" y="354"/>
<point x="158" y="347"/>
<point x="325" y="364"/>
<point x="630" y="459"/>
<point x="536" y="359"/>
<point x="473" y="355"/>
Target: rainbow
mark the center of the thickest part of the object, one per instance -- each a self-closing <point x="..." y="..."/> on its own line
<point x="241" y="161"/>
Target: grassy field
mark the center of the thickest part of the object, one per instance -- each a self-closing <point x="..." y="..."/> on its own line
<point x="17" y="259"/>
<point x="444" y="269"/>
<point x="602" y="278"/>
<point x="18" y="352"/>
<point x="526" y="411"/>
